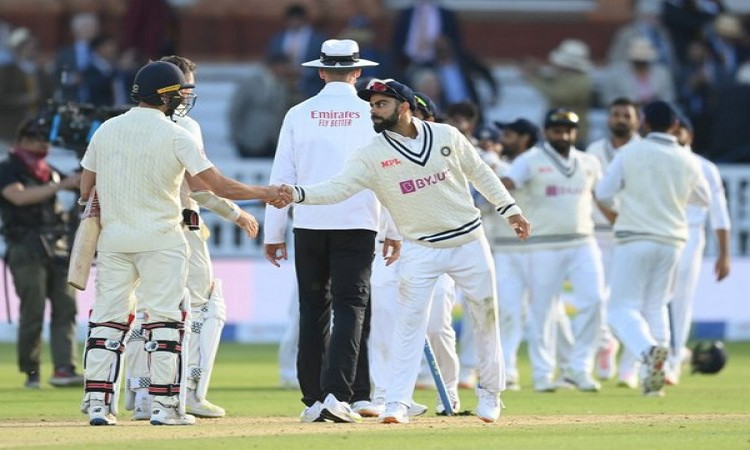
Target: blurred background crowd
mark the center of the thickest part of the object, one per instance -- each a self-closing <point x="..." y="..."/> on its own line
<point x="472" y="57"/>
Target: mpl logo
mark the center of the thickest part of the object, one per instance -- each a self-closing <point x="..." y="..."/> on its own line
<point x="545" y="169"/>
<point x="390" y="163"/>
<point x="409" y="186"/>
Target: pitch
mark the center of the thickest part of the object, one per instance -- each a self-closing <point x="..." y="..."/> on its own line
<point x="703" y="411"/>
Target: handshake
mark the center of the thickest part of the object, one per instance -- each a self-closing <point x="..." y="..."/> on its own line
<point x="279" y="196"/>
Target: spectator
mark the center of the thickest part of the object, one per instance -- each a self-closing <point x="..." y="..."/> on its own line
<point x="258" y="106"/>
<point x="725" y="36"/>
<point x="730" y="137"/>
<point x="698" y="81"/>
<point x="359" y="29"/>
<point x="149" y="27"/>
<point x="24" y="83"/>
<point x="300" y="42"/>
<point x="417" y="30"/>
<point x="646" y="24"/>
<point x="71" y="61"/>
<point x="102" y="78"/>
<point x="642" y="79"/>
<point x="567" y="83"/>
<point x="684" y="20"/>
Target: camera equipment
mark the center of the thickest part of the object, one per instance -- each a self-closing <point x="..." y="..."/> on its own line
<point x="70" y="125"/>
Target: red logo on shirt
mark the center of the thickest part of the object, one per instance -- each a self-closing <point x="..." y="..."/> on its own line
<point x="334" y="118"/>
<point x="554" y="191"/>
<point x="390" y="163"/>
<point x="545" y="169"/>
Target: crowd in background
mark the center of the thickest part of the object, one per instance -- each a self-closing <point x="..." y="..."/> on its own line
<point x="692" y="52"/>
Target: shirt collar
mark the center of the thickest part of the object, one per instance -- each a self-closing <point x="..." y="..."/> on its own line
<point x="401" y="138"/>
<point x="664" y="138"/>
<point x="338" y="88"/>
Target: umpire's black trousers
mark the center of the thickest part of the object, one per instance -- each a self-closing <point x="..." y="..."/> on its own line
<point x="333" y="361"/>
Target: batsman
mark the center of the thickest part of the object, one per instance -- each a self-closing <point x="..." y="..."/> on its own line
<point x="138" y="161"/>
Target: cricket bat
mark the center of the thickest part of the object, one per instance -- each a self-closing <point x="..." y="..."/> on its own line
<point x="84" y="245"/>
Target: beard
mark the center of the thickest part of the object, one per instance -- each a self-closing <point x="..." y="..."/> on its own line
<point x="386" y="123"/>
<point x="561" y="146"/>
<point x="620" y="131"/>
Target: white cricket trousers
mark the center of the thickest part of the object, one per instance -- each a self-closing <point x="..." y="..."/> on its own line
<point x="512" y="292"/>
<point x="384" y="286"/>
<point x="472" y="268"/>
<point x="548" y="269"/>
<point x="686" y="280"/>
<point x="642" y="274"/>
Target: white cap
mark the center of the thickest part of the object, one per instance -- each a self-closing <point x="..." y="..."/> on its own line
<point x="339" y="54"/>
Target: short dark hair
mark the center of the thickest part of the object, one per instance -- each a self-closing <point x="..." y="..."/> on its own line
<point x="465" y="109"/>
<point x="185" y="65"/>
<point x="660" y="115"/>
<point x="622" y="101"/>
<point x="296" y="10"/>
<point x="31" y="128"/>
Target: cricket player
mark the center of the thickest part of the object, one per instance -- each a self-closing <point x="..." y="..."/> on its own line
<point x="420" y="172"/>
<point x="689" y="266"/>
<point x="207" y="305"/>
<point x="654" y="180"/>
<point x="623" y="122"/>
<point x="558" y="181"/>
<point x="137" y="161"/>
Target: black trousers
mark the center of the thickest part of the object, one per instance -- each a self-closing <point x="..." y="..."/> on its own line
<point x="333" y="360"/>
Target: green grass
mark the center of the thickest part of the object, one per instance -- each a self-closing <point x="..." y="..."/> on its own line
<point x="702" y="412"/>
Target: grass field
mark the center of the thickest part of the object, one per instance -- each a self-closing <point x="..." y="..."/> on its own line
<point x="706" y="412"/>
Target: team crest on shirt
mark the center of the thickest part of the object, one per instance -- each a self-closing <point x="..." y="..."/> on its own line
<point x="445" y="151"/>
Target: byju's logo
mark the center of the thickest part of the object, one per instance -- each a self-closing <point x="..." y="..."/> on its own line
<point x="409" y="186"/>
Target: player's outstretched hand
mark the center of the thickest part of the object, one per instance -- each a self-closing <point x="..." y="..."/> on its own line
<point x="520" y="225"/>
<point x="247" y="222"/>
<point x="721" y="269"/>
<point x="275" y="253"/>
<point x="391" y="251"/>
<point x="279" y="196"/>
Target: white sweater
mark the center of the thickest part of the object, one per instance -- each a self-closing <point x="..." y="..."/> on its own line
<point x="654" y="180"/>
<point x="558" y="194"/>
<point x="423" y="182"/>
<point x="717" y="212"/>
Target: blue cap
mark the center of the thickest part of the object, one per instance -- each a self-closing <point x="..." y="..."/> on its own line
<point x="391" y="88"/>
<point x="660" y="115"/>
<point x="523" y="127"/>
<point x="426" y="105"/>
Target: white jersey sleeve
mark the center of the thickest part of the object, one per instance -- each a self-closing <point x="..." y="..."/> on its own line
<point x="354" y="177"/>
<point x="282" y="172"/>
<point x="718" y="212"/>
<point x="187" y="151"/>
<point x="89" y="158"/>
<point x="484" y="179"/>
<point x="611" y="182"/>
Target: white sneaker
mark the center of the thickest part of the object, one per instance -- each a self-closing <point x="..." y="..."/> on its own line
<point x="203" y="408"/>
<point x="606" y="360"/>
<point x="628" y="381"/>
<point x="395" y="412"/>
<point x="168" y="415"/>
<point x="653" y="380"/>
<point x="99" y="414"/>
<point x="563" y="384"/>
<point x="489" y="406"/>
<point x="454" y="401"/>
<point x="312" y="414"/>
<point x="368" y="409"/>
<point x="142" y="405"/>
<point x="545" y="385"/>
<point x="415" y="409"/>
<point x="512" y="385"/>
<point x="337" y="411"/>
<point x="582" y="381"/>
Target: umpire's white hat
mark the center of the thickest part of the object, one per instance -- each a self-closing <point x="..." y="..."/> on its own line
<point x="339" y="54"/>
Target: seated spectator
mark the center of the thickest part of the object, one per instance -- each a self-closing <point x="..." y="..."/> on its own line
<point x="642" y="79"/>
<point x="102" y="79"/>
<point x="646" y="24"/>
<point x="730" y="136"/>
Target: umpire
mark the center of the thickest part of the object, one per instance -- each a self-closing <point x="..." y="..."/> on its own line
<point x="332" y="244"/>
<point x="35" y="232"/>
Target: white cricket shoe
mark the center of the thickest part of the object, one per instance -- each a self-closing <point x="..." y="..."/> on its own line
<point x="454" y="401"/>
<point x="582" y="381"/>
<point x="142" y="405"/>
<point x="512" y="384"/>
<point x="312" y="414"/>
<point x="337" y="411"/>
<point x="99" y="414"/>
<point x="606" y="360"/>
<point x="545" y="385"/>
<point x="628" y="381"/>
<point x="367" y="408"/>
<point x="415" y="409"/>
<point x="653" y="380"/>
<point x="202" y="408"/>
<point x="168" y="415"/>
<point x="489" y="406"/>
<point x="395" y="412"/>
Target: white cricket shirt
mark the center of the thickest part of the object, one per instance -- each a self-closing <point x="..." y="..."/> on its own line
<point x="140" y="158"/>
